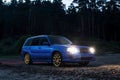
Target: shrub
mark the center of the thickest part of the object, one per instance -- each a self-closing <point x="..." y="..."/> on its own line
<point x="10" y="46"/>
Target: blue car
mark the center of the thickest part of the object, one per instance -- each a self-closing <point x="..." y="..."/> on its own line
<point x="56" y="50"/>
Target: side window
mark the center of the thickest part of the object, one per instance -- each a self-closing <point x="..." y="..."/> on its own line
<point x="35" y="42"/>
<point x="42" y="40"/>
<point x="28" y="42"/>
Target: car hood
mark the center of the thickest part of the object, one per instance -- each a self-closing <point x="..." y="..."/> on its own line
<point x="69" y="45"/>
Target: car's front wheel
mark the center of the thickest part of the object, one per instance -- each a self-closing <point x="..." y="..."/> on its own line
<point x="27" y="59"/>
<point x="57" y="59"/>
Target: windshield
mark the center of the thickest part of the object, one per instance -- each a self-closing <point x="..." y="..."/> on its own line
<point x="59" y="40"/>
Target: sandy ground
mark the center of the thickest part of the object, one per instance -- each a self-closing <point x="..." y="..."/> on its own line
<point x="106" y="67"/>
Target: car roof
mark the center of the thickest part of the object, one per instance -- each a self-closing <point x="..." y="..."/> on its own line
<point x="42" y="36"/>
<point x="38" y="36"/>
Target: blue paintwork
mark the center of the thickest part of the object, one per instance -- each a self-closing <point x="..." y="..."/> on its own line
<point x="44" y="53"/>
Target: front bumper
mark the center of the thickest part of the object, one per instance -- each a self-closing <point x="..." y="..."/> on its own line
<point x="81" y="57"/>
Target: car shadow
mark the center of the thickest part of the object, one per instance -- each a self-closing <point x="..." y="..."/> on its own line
<point x="65" y="64"/>
<point x="42" y="64"/>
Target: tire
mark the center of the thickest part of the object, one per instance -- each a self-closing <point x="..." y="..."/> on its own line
<point x="57" y="59"/>
<point x="83" y="63"/>
<point x="27" y="59"/>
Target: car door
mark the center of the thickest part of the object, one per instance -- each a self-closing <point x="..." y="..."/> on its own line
<point x="39" y="50"/>
<point x="34" y="48"/>
<point x="44" y="49"/>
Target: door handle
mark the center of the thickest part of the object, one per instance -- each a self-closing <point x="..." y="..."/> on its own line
<point x="39" y="48"/>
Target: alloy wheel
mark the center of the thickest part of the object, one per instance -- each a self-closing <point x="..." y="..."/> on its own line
<point x="57" y="59"/>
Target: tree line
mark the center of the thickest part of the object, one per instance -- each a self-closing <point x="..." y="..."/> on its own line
<point x="98" y="19"/>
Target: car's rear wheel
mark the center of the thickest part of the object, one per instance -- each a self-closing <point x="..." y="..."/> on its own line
<point x="57" y="59"/>
<point x="27" y="59"/>
<point x="83" y="63"/>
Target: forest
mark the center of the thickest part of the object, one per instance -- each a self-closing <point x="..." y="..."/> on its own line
<point x="85" y="22"/>
<point x="99" y="19"/>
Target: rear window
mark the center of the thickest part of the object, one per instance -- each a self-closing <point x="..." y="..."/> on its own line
<point x="28" y="42"/>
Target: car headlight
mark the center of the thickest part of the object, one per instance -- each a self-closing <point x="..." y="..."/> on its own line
<point x="73" y="50"/>
<point x="92" y="50"/>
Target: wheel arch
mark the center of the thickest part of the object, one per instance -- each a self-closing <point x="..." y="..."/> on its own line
<point x="25" y="53"/>
<point x="55" y="52"/>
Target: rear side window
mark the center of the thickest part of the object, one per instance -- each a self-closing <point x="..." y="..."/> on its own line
<point x="35" y="42"/>
<point x="42" y="40"/>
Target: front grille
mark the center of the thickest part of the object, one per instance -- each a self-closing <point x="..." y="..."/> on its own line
<point x="84" y="50"/>
<point x="86" y="58"/>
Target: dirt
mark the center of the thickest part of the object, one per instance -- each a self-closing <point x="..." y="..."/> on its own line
<point x="106" y="67"/>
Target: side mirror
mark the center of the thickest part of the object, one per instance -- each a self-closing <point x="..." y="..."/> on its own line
<point x="46" y="43"/>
